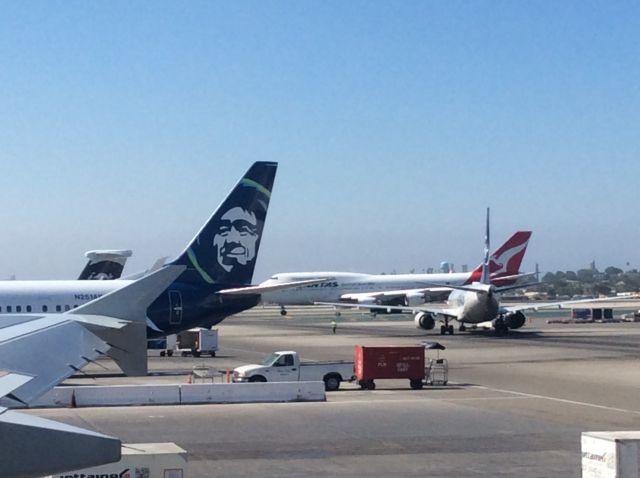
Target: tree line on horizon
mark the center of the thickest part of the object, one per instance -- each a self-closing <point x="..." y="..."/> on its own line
<point x="590" y="282"/>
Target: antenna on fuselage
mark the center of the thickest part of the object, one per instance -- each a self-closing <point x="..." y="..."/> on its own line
<point x="484" y="277"/>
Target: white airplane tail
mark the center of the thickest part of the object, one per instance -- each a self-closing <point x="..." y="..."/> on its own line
<point x="484" y="277"/>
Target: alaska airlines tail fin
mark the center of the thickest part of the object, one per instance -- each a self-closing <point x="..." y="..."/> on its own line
<point x="226" y="248"/>
<point x="506" y="260"/>
<point x="104" y="265"/>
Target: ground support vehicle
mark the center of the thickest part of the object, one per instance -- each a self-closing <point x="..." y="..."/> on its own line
<point x="195" y="342"/>
<point x="167" y="344"/>
<point x="373" y="363"/>
<point x="285" y="366"/>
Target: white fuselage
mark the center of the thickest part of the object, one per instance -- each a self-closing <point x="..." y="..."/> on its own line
<point x="474" y="308"/>
<point x="340" y="283"/>
<point x="51" y="296"/>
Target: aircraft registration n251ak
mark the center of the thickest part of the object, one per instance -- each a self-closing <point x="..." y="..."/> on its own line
<point x="395" y="289"/>
<point x="222" y="256"/>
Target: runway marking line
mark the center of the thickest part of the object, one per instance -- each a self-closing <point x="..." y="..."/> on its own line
<point x="562" y="400"/>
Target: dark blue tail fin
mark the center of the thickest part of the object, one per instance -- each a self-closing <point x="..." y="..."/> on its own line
<point x="226" y="248"/>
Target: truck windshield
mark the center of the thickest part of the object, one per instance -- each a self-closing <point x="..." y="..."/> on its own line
<point x="269" y="359"/>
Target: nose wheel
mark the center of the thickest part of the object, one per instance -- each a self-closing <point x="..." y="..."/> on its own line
<point x="283" y="311"/>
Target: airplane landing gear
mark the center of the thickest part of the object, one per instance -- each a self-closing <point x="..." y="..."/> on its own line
<point x="446" y="328"/>
<point x="283" y="311"/>
<point x="501" y="327"/>
<point x="462" y="328"/>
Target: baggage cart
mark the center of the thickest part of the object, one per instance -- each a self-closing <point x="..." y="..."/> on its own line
<point x="436" y="369"/>
<point x="373" y="363"/>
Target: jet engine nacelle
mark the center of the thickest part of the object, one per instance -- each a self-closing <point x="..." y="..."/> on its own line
<point x="515" y="320"/>
<point x="425" y="321"/>
<point x="366" y="300"/>
<point x="413" y="300"/>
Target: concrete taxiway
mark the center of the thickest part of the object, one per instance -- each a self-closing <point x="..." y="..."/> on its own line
<point x="515" y="405"/>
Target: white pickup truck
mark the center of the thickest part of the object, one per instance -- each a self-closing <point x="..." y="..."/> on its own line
<point x="285" y="366"/>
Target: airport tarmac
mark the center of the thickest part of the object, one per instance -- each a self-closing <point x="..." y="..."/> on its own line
<point x="515" y="405"/>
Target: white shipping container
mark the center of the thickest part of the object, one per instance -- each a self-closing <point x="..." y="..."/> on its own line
<point x="611" y="454"/>
<point x="139" y="460"/>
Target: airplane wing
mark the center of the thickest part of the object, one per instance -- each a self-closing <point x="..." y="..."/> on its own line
<point x="33" y="446"/>
<point x="561" y="304"/>
<point x="383" y="297"/>
<point x="444" y="311"/>
<point x="261" y="289"/>
<point x="387" y="295"/>
<point x="39" y="351"/>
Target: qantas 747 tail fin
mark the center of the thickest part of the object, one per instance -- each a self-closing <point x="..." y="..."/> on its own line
<point x="506" y="260"/>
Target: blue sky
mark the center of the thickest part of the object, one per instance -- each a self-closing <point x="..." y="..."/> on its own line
<point x="124" y="124"/>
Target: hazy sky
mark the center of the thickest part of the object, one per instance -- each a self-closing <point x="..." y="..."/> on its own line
<point x="124" y="124"/>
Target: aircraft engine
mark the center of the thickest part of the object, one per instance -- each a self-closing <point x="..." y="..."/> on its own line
<point x="425" y="321"/>
<point x="516" y="320"/>
<point x="366" y="300"/>
<point x="412" y="300"/>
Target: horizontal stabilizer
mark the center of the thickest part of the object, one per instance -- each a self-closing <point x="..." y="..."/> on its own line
<point x="475" y="287"/>
<point x="516" y="286"/>
<point x="261" y="289"/>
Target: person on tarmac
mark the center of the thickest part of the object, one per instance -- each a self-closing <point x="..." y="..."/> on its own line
<point x="334" y="325"/>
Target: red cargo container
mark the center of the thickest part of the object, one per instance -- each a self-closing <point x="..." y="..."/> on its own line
<point x="371" y="363"/>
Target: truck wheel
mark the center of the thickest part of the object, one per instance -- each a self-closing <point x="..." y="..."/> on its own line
<point x="416" y="384"/>
<point x="170" y="353"/>
<point x="257" y="378"/>
<point x="184" y="354"/>
<point x="196" y="353"/>
<point x="331" y="383"/>
<point x="371" y="385"/>
<point x="162" y="353"/>
<point x="213" y="354"/>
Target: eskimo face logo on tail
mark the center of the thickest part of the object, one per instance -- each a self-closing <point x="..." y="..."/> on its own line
<point x="225" y="250"/>
<point x="236" y="238"/>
